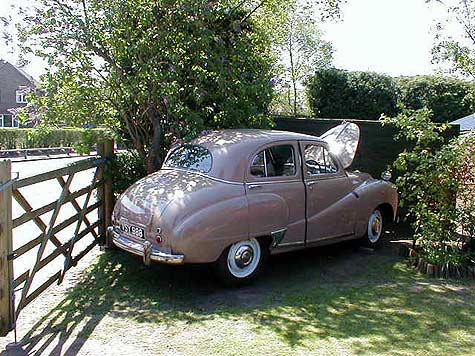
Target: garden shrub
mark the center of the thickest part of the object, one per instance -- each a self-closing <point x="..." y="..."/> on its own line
<point x="13" y="138"/>
<point x="336" y="93"/>
<point x="125" y="168"/>
<point x="81" y="139"/>
<point x="448" y="98"/>
<point x="434" y="183"/>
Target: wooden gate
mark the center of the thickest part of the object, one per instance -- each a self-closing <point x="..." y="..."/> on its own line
<point x="17" y="290"/>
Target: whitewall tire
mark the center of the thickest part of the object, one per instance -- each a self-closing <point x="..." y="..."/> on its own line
<point x="241" y="262"/>
<point x="375" y="229"/>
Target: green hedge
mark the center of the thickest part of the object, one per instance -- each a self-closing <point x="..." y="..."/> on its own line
<point x="377" y="148"/>
<point x="337" y="93"/>
<point x="448" y="98"/>
<point x="81" y="139"/>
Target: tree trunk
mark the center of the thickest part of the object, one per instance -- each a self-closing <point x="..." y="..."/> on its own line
<point x="295" y="97"/>
<point x="153" y="161"/>
<point x="292" y="75"/>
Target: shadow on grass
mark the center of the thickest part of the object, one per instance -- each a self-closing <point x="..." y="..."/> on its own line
<point x="339" y="292"/>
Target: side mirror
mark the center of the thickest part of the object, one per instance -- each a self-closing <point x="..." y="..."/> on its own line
<point x="386" y="176"/>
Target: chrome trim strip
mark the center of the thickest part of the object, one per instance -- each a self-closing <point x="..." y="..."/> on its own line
<point x="265" y="163"/>
<point x="144" y="249"/>
<point x="275" y="181"/>
<point x="332" y="237"/>
<point x="203" y="175"/>
<point x="326" y="176"/>
<point x="299" y="243"/>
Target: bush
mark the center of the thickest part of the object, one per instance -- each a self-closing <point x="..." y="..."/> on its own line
<point x="81" y="139"/>
<point x="335" y="93"/>
<point x="125" y="168"/>
<point x="434" y="184"/>
<point x="448" y="98"/>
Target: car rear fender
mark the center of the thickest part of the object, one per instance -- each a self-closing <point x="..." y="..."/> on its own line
<point x="370" y="196"/>
<point x="204" y="233"/>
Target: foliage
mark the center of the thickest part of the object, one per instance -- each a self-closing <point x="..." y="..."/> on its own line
<point x="126" y="168"/>
<point x="81" y="139"/>
<point x="448" y="98"/>
<point x="282" y="103"/>
<point x="457" y="51"/>
<point x="154" y="70"/>
<point x="64" y="98"/>
<point x="336" y="93"/>
<point x="303" y="50"/>
<point x="434" y="185"/>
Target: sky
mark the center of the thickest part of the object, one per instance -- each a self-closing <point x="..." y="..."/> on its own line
<point x="387" y="36"/>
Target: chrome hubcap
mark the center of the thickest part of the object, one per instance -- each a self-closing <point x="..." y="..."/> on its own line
<point x="375" y="226"/>
<point x="244" y="256"/>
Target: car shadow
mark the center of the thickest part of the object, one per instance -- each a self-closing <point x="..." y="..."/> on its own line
<point x="295" y="297"/>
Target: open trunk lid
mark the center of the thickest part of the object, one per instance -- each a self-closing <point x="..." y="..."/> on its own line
<point x="343" y="142"/>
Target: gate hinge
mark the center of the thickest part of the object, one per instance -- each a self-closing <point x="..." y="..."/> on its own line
<point x="10" y="182"/>
<point x="11" y="256"/>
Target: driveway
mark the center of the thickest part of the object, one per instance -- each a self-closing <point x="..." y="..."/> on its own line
<point x="335" y="300"/>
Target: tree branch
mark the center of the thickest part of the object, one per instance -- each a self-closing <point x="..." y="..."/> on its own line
<point x="253" y="11"/>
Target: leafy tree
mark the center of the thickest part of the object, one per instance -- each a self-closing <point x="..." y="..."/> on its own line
<point x="448" y="98"/>
<point x="302" y="49"/>
<point x="154" y="70"/>
<point x="459" y="53"/>
<point x="336" y="93"/>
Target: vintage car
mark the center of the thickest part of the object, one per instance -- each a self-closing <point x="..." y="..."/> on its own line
<point x="233" y="197"/>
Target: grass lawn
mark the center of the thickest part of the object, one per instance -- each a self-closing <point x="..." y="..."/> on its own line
<point x="338" y="300"/>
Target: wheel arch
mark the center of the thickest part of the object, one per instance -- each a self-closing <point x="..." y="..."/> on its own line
<point x="387" y="212"/>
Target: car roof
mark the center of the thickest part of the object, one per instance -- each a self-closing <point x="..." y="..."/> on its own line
<point x="231" y="149"/>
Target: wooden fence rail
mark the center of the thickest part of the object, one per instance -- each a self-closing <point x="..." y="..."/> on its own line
<point x="49" y="229"/>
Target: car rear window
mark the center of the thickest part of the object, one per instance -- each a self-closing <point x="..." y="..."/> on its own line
<point x="193" y="157"/>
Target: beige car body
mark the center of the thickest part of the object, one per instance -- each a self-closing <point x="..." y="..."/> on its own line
<point x="189" y="216"/>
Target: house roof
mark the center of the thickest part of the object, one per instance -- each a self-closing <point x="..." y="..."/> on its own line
<point x="466" y="123"/>
<point x="21" y="71"/>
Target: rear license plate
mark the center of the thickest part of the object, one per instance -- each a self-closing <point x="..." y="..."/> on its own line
<point x="132" y="230"/>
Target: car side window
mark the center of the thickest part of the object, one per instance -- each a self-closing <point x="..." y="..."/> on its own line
<point x="275" y="161"/>
<point x="318" y="161"/>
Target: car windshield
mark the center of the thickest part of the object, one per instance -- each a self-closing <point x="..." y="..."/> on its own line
<point x="194" y="157"/>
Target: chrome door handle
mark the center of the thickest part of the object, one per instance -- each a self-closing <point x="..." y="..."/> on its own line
<point x="309" y="184"/>
<point x="254" y="186"/>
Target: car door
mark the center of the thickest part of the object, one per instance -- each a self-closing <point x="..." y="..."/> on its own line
<point x="276" y="193"/>
<point x="330" y="203"/>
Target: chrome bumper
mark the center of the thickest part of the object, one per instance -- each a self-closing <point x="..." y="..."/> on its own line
<point x="144" y="249"/>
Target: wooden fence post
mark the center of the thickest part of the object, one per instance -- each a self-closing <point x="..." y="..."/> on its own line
<point x="6" y="264"/>
<point x="106" y="194"/>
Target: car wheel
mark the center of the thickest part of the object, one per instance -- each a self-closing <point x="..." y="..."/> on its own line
<point x="375" y="229"/>
<point x="241" y="262"/>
